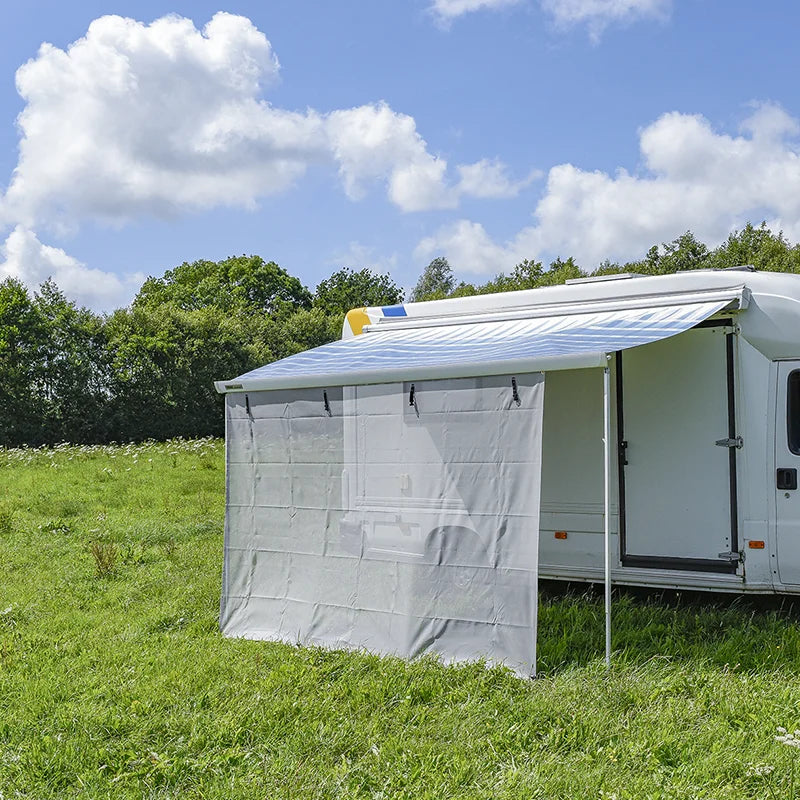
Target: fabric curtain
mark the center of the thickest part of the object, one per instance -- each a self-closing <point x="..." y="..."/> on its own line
<point x="399" y="518"/>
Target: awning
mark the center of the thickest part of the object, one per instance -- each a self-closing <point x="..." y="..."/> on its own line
<point x="544" y="340"/>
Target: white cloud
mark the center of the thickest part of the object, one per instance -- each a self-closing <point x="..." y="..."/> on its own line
<point x="137" y="120"/>
<point x="596" y="14"/>
<point x="357" y="256"/>
<point x="694" y="178"/>
<point x="159" y="119"/>
<point x="447" y="10"/>
<point x="374" y="142"/>
<point x="151" y="119"/>
<point x="468" y="248"/>
<point x="488" y="178"/>
<point x="25" y="258"/>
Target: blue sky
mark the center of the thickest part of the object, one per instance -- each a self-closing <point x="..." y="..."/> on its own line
<point x="382" y="133"/>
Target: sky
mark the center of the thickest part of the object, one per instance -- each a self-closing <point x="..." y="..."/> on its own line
<point x="135" y="136"/>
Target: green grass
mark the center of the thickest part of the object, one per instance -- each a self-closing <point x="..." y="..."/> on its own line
<point x="120" y="685"/>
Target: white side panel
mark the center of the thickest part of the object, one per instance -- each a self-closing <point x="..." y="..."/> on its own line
<point x="572" y="473"/>
<point x="399" y="523"/>
<point x="572" y="488"/>
<point x="755" y="408"/>
<point x="787" y="458"/>
<point x="677" y="490"/>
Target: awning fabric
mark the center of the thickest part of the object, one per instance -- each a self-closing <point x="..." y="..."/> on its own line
<point x="475" y="348"/>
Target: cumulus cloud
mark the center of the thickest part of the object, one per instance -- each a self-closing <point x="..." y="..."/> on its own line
<point x="487" y="178"/>
<point x="359" y="255"/>
<point x="469" y="247"/>
<point x="25" y="258"/>
<point x="157" y="120"/>
<point x="135" y="119"/>
<point x="447" y="10"/>
<point x="374" y="142"/>
<point x="693" y="177"/>
<point x="595" y="14"/>
<point x="598" y="14"/>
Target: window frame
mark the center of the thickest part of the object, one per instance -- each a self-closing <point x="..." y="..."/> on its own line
<point x="793" y="411"/>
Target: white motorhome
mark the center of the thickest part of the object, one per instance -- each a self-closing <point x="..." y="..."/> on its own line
<point x="705" y="427"/>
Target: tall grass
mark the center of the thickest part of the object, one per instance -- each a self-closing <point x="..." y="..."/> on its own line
<point x="118" y="685"/>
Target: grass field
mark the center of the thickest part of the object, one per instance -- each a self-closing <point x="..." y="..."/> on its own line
<point x="120" y="686"/>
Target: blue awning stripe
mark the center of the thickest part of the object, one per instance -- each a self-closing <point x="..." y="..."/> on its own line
<point x="393" y="311"/>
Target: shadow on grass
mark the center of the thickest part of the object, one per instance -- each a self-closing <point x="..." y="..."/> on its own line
<point x="739" y="632"/>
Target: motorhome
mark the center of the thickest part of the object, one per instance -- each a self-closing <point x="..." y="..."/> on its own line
<point x="404" y="489"/>
<point x="705" y="428"/>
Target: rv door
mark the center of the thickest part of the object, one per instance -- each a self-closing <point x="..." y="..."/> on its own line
<point x="787" y="467"/>
<point x="677" y="424"/>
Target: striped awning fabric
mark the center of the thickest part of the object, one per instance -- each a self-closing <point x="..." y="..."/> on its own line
<point x="474" y="348"/>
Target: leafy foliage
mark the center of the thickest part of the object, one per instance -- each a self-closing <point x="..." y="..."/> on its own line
<point x="347" y="289"/>
<point x="67" y="374"/>
<point x="52" y="367"/>
<point x="239" y="284"/>
<point x="436" y="281"/>
<point x="22" y="341"/>
<point x="757" y="246"/>
<point x="148" y="371"/>
<point x="164" y="361"/>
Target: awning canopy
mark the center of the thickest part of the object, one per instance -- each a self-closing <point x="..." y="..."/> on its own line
<point x="545" y="339"/>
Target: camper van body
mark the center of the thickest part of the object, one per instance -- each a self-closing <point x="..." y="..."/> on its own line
<point x="705" y="435"/>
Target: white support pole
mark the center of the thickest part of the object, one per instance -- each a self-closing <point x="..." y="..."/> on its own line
<point x="607" y="506"/>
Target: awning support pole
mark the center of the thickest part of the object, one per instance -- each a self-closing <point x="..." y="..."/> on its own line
<point x="607" y="506"/>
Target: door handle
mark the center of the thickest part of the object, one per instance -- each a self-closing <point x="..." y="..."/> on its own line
<point x="787" y="478"/>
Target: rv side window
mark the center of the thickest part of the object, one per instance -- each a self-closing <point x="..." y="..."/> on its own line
<point x="793" y="412"/>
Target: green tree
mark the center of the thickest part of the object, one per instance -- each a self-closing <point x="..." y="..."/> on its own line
<point x="348" y="288"/>
<point x="165" y="361"/>
<point x="23" y="335"/>
<point x="608" y="267"/>
<point x="758" y="246"/>
<point x="74" y="370"/>
<point x="275" y="339"/>
<point x="525" y="275"/>
<point x="561" y="272"/>
<point x="245" y="284"/>
<point x="466" y="290"/>
<point x="436" y="281"/>
<point x="680" y="255"/>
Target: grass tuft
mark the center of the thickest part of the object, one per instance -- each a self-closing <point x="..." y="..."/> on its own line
<point x="105" y="557"/>
<point x="7" y="520"/>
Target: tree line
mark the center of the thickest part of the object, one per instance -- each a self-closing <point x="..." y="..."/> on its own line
<point x="147" y="371"/>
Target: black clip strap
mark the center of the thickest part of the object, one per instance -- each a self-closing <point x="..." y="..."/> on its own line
<point x="327" y="403"/>
<point x="515" y="391"/>
<point x="247" y="406"/>
<point x="412" y="399"/>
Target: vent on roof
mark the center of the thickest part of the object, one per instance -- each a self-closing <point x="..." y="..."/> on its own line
<point x="613" y="277"/>
<point x="741" y="268"/>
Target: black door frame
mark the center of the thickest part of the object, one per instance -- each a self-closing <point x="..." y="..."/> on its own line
<point x="674" y="562"/>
